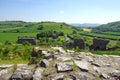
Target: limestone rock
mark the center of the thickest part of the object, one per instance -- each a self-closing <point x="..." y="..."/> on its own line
<point x="6" y="70"/>
<point x="57" y="77"/>
<point x="22" y="73"/>
<point x="83" y="65"/>
<point x="38" y="74"/>
<point x="64" y="66"/>
<point x="4" y="66"/>
<point x="44" y="63"/>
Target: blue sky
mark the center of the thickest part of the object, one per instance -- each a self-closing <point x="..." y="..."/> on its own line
<point x="69" y="11"/>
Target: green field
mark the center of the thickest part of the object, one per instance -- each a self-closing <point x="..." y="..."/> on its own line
<point x="10" y="31"/>
<point x="13" y="37"/>
<point x="106" y="36"/>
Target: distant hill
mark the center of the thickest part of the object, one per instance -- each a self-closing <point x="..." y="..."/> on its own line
<point x="34" y="27"/>
<point x="111" y="27"/>
<point x="85" y="25"/>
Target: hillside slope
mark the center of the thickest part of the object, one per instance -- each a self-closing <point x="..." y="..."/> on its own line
<point x="30" y="27"/>
<point x="112" y="27"/>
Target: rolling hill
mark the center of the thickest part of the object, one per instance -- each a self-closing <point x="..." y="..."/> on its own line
<point x="84" y="25"/>
<point x="33" y="27"/>
<point x="11" y="30"/>
<point x="111" y="27"/>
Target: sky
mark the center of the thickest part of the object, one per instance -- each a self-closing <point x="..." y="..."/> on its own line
<point x="69" y="11"/>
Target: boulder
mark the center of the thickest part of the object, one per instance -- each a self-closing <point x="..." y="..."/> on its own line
<point x="64" y="66"/>
<point x="116" y="73"/>
<point x="22" y="73"/>
<point x="38" y="74"/>
<point x="4" y="66"/>
<point x="5" y="74"/>
<point x="44" y="63"/>
<point x="48" y="55"/>
<point x="57" y="77"/>
<point x="16" y="76"/>
<point x="6" y="70"/>
<point x="83" y="65"/>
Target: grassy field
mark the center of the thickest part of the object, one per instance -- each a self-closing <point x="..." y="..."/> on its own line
<point x="20" y="53"/>
<point x="106" y="36"/>
<point x="87" y="29"/>
<point x="13" y="36"/>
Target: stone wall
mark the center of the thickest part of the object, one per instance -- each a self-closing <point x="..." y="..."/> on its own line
<point x="99" y="44"/>
<point x="79" y="42"/>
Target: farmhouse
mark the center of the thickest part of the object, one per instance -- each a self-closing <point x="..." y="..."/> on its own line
<point x="23" y="39"/>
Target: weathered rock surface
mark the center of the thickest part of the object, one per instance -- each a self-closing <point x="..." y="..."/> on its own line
<point x="83" y="65"/>
<point x="38" y="74"/>
<point x="66" y="65"/>
<point x="43" y="63"/>
<point x="22" y="73"/>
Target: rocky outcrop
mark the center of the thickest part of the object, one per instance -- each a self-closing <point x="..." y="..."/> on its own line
<point x="38" y="74"/>
<point x="22" y="73"/>
<point x="66" y="65"/>
<point x="43" y="63"/>
<point x="6" y="70"/>
<point x="83" y="65"/>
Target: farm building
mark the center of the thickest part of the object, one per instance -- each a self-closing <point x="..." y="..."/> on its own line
<point x="23" y="39"/>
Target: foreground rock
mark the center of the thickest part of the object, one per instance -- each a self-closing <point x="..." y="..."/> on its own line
<point x="38" y="74"/>
<point x="6" y="70"/>
<point x="65" y="65"/>
<point x="83" y="65"/>
<point x="22" y="73"/>
<point x="43" y="63"/>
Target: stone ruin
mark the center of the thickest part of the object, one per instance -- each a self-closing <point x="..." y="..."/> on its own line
<point x="99" y="44"/>
<point x="69" y="44"/>
<point x="55" y="36"/>
<point x="79" y="42"/>
<point x="23" y="39"/>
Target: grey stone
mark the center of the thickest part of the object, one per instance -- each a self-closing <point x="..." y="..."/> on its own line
<point x="4" y="66"/>
<point x="57" y="77"/>
<point x="38" y="74"/>
<point x="115" y="73"/>
<point x="96" y="64"/>
<point x="83" y="65"/>
<point x="64" y="66"/>
<point x="22" y="73"/>
<point x="105" y="76"/>
<point x="72" y="77"/>
<point x="17" y="76"/>
<point x="44" y="63"/>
